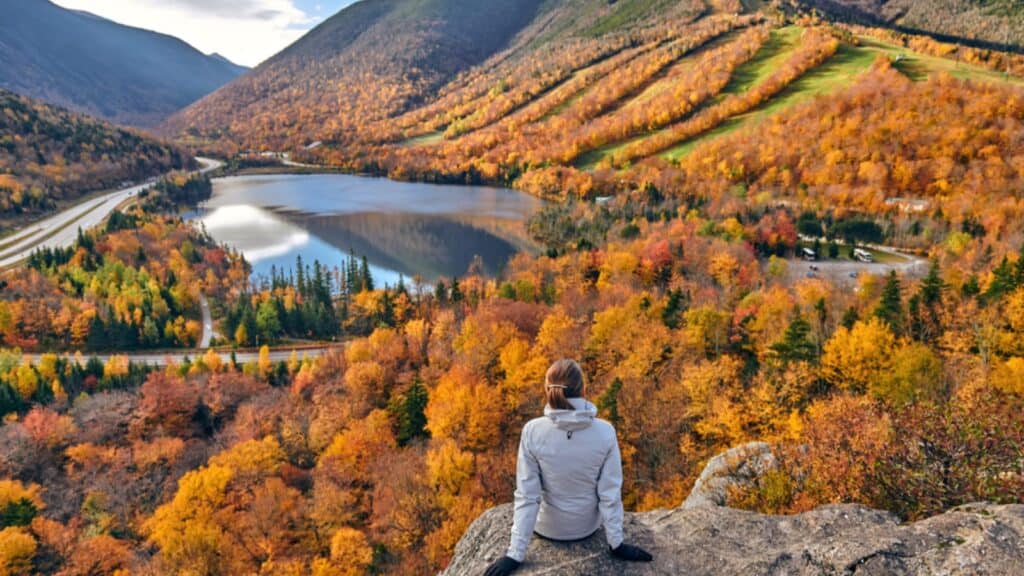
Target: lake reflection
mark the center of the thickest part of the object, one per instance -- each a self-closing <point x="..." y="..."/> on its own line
<point x="402" y="228"/>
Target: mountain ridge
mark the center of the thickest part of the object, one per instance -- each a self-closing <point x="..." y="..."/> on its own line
<point x="93" y="65"/>
<point x="406" y="50"/>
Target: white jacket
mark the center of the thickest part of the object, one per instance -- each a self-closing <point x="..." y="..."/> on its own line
<point x="568" y="478"/>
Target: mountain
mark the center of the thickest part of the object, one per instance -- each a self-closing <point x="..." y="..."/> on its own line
<point x="994" y="22"/>
<point x="49" y="155"/>
<point x="238" y="68"/>
<point x="377" y="58"/>
<point x="89" y="64"/>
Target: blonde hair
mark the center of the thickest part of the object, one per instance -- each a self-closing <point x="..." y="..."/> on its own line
<point x="563" y="380"/>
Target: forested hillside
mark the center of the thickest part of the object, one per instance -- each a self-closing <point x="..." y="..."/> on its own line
<point x="92" y="65"/>
<point x="378" y="58"/>
<point x="49" y="155"/>
<point x="999" y="22"/>
<point x="694" y="154"/>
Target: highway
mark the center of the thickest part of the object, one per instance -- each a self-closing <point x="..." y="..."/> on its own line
<point x="61" y="229"/>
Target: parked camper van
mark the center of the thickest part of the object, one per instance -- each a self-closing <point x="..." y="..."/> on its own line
<point x="863" y="255"/>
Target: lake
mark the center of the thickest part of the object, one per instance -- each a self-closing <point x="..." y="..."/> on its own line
<point x="402" y="228"/>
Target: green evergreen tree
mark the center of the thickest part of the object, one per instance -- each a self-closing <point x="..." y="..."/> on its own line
<point x="456" y="291"/>
<point x="672" y="314"/>
<point x="608" y="402"/>
<point x="367" y="278"/>
<point x="890" y="308"/>
<point x="1004" y="280"/>
<point x="1019" y="272"/>
<point x="850" y="317"/>
<point x="408" y="413"/>
<point x="796" y="344"/>
<point x="18" y="513"/>
<point x="932" y="286"/>
<point x="833" y="250"/>
<point x="440" y="292"/>
<point x="971" y="287"/>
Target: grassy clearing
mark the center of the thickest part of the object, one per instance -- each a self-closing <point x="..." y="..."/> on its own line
<point x="774" y="53"/>
<point x="840" y="72"/>
<point x="672" y="75"/>
<point x="919" y="67"/>
<point x="423" y="139"/>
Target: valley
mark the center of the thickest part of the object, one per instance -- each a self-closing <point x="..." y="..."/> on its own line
<point x="300" y="322"/>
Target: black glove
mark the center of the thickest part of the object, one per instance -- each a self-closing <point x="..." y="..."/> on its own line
<point x="631" y="553"/>
<point x="502" y="567"/>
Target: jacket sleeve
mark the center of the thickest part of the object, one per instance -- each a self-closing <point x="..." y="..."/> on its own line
<point x="527" y="499"/>
<point x="609" y="494"/>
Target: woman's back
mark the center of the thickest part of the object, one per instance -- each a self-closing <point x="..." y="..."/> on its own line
<point x="568" y="474"/>
<point x="571" y="448"/>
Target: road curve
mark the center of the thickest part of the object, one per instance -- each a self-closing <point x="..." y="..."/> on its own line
<point x="163" y="359"/>
<point x="61" y="229"/>
<point x="204" y="306"/>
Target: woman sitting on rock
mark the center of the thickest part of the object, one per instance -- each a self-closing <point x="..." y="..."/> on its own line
<point x="568" y="475"/>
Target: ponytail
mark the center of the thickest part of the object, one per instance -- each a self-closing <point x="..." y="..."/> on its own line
<point x="563" y="380"/>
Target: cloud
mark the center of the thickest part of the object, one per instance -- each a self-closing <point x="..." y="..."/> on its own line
<point x="245" y="31"/>
<point x="240" y="9"/>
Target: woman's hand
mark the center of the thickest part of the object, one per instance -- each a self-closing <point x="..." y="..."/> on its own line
<point x="502" y="567"/>
<point x="631" y="553"/>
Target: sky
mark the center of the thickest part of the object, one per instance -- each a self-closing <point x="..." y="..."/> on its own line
<point x="247" y="32"/>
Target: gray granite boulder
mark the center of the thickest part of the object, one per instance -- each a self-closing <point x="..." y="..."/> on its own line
<point x="702" y="537"/>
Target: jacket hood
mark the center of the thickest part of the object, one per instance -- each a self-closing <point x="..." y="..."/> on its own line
<point x="581" y="417"/>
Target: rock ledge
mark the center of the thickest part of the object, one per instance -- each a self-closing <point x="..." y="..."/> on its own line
<point x="701" y="538"/>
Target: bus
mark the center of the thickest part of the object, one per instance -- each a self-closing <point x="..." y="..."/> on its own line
<point x="863" y="255"/>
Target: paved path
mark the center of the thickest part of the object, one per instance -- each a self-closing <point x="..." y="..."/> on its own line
<point x="61" y="229"/>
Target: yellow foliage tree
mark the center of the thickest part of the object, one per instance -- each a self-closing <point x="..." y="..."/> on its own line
<point x="17" y="549"/>
<point x="253" y="458"/>
<point x="351" y="551"/>
<point x="185" y="530"/>
<point x="1009" y="376"/>
<point x="463" y="407"/>
<point x="858" y="359"/>
<point x="915" y="375"/>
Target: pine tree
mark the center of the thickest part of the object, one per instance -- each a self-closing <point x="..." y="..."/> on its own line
<point x="674" y="308"/>
<point x="441" y="292"/>
<point x="890" y="308"/>
<point x="367" y="278"/>
<point x="932" y="286"/>
<point x="608" y="402"/>
<point x="850" y="317"/>
<point x="300" y="275"/>
<point x="1020" y="268"/>
<point x="833" y="250"/>
<point x="1004" y="280"/>
<point x="408" y="411"/>
<point x="456" y="291"/>
<point x="971" y="286"/>
<point x="795" y="345"/>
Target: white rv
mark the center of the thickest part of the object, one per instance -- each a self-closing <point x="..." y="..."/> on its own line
<point x="863" y="255"/>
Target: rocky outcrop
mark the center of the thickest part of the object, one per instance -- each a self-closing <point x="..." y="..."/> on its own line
<point x="703" y="538"/>
<point x="738" y="467"/>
